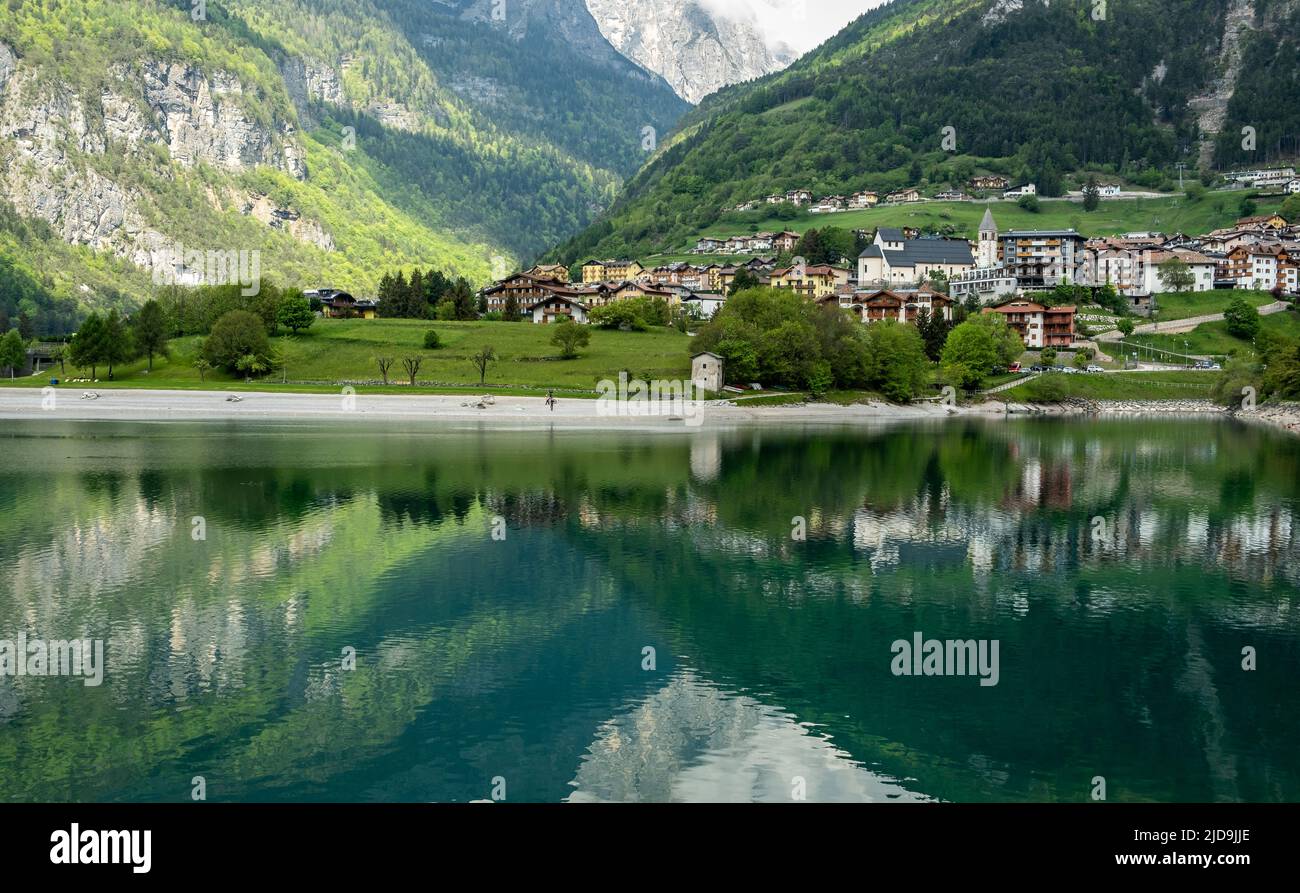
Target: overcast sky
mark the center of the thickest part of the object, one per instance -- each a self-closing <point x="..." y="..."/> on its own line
<point x="800" y="23"/>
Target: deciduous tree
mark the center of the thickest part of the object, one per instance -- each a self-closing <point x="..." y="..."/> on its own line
<point x="481" y="360"/>
<point x="13" y="352"/>
<point x="569" y="336"/>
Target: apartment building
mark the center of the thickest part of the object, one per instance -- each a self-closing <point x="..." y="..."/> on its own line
<point x="1043" y="259"/>
<point x="1038" y="326"/>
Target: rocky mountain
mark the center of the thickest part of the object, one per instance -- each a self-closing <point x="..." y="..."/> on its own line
<point x="928" y="92"/>
<point x="695" y="49"/>
<point x="335" y="137"/>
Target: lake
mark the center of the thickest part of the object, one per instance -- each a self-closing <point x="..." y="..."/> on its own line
<point x="384" y="612"/>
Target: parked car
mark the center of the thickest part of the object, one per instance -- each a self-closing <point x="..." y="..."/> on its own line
<point x="1095" y="368"/>
<point x="1014" y="367"/>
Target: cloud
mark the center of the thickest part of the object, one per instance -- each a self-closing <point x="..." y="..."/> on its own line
<point x="800" y="24"/>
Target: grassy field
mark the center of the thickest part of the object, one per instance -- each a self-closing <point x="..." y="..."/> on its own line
<point x="1171" y="305"/>
<point x="1212" y="338"/>
<point x="1167" y="214"/>
<point x="337" y="352"/>
<point x="1115" y="386"/>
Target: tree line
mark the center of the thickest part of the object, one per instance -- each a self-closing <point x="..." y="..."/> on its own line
<point x="429" y="294"/>
<point x="777" y="338"/>
<point x="111" y="339"/>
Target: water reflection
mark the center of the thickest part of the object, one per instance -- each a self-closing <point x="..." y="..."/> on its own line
<point x="690" y="742"/>
<point x="1123" y="566"/>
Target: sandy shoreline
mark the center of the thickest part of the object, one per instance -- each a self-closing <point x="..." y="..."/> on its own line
<point x="457" y="409"/>
<point x="129" y="405"/>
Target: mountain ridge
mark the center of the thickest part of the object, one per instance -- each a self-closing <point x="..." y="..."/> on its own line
<point x="1021" y="83"/>
<point x="328" y="135"/>
<point x="696" y="50"/>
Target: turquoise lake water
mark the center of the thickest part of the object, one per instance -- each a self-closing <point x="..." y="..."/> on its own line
<point x="548" y="616"/>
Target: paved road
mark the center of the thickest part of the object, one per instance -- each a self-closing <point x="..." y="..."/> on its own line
<point x="1180" y="326"/>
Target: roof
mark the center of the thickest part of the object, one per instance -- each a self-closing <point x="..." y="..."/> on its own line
<point x="331" y="297"/>
<point x="708" y="353"/>
<point x="987" y="223"/>
<point x="555" y="296"/>
<point x="1189" y="257"/>
<point x="1022" y="306"/>
<point x="1016" y="307"/>
<point x="924" y="251"/>
<point x="541" y="281"/>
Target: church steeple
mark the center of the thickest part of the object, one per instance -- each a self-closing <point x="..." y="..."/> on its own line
<point x="987" y="225"/>
<point x="988" y="241"/>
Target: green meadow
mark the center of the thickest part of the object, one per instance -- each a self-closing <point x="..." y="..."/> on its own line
<point x="1213" y="339"/>
<point x="1056" y="386"/>
<point x="336" y="352"/>
<point x="1175" y="213"/>
<point x="1183" y="305"/>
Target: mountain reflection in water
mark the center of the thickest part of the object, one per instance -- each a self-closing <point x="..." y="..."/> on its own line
<point x="1122" y="566"/>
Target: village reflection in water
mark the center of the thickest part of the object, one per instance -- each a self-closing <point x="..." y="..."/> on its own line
<point x="231" y="569"/>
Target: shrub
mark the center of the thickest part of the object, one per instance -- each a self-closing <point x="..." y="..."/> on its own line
<point x="619" y="315"/>
<point x="1231" y="384"/>
<point x="978" y="345"/>
<point x="569" y="336"/>
<point x="431" y="340"/>
<point x="1242" y="319"/>
<point x="236" y="336"/>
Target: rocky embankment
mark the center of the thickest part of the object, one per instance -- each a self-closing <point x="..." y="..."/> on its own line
<point x="1278" y="415"/>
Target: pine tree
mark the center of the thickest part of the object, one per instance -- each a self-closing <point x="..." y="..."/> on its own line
<point x="462" y="297"/>
<point x="401" y="295"/>
<point x="150" y="331"/>
<point x="87" y="345"/>
<point x="117" y="341"/>
<point x="414" y="308"/>
<point x="387" y="298"/>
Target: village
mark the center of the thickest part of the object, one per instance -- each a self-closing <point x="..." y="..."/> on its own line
<point x="902" y="273"/>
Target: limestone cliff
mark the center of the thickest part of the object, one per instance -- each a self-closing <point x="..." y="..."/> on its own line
<point x="696" y="50"/>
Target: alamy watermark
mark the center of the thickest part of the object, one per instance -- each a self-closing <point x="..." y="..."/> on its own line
<point x="62" y="657"/>
<point x="953" y="657"/>
<point x="91" y="847"/>
<point x="633" y="397"/>
<point x="179" y="265"/>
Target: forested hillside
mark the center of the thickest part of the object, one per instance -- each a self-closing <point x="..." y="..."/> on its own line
<point x="336" y="137"/>
<point x="1036" y="91"/>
